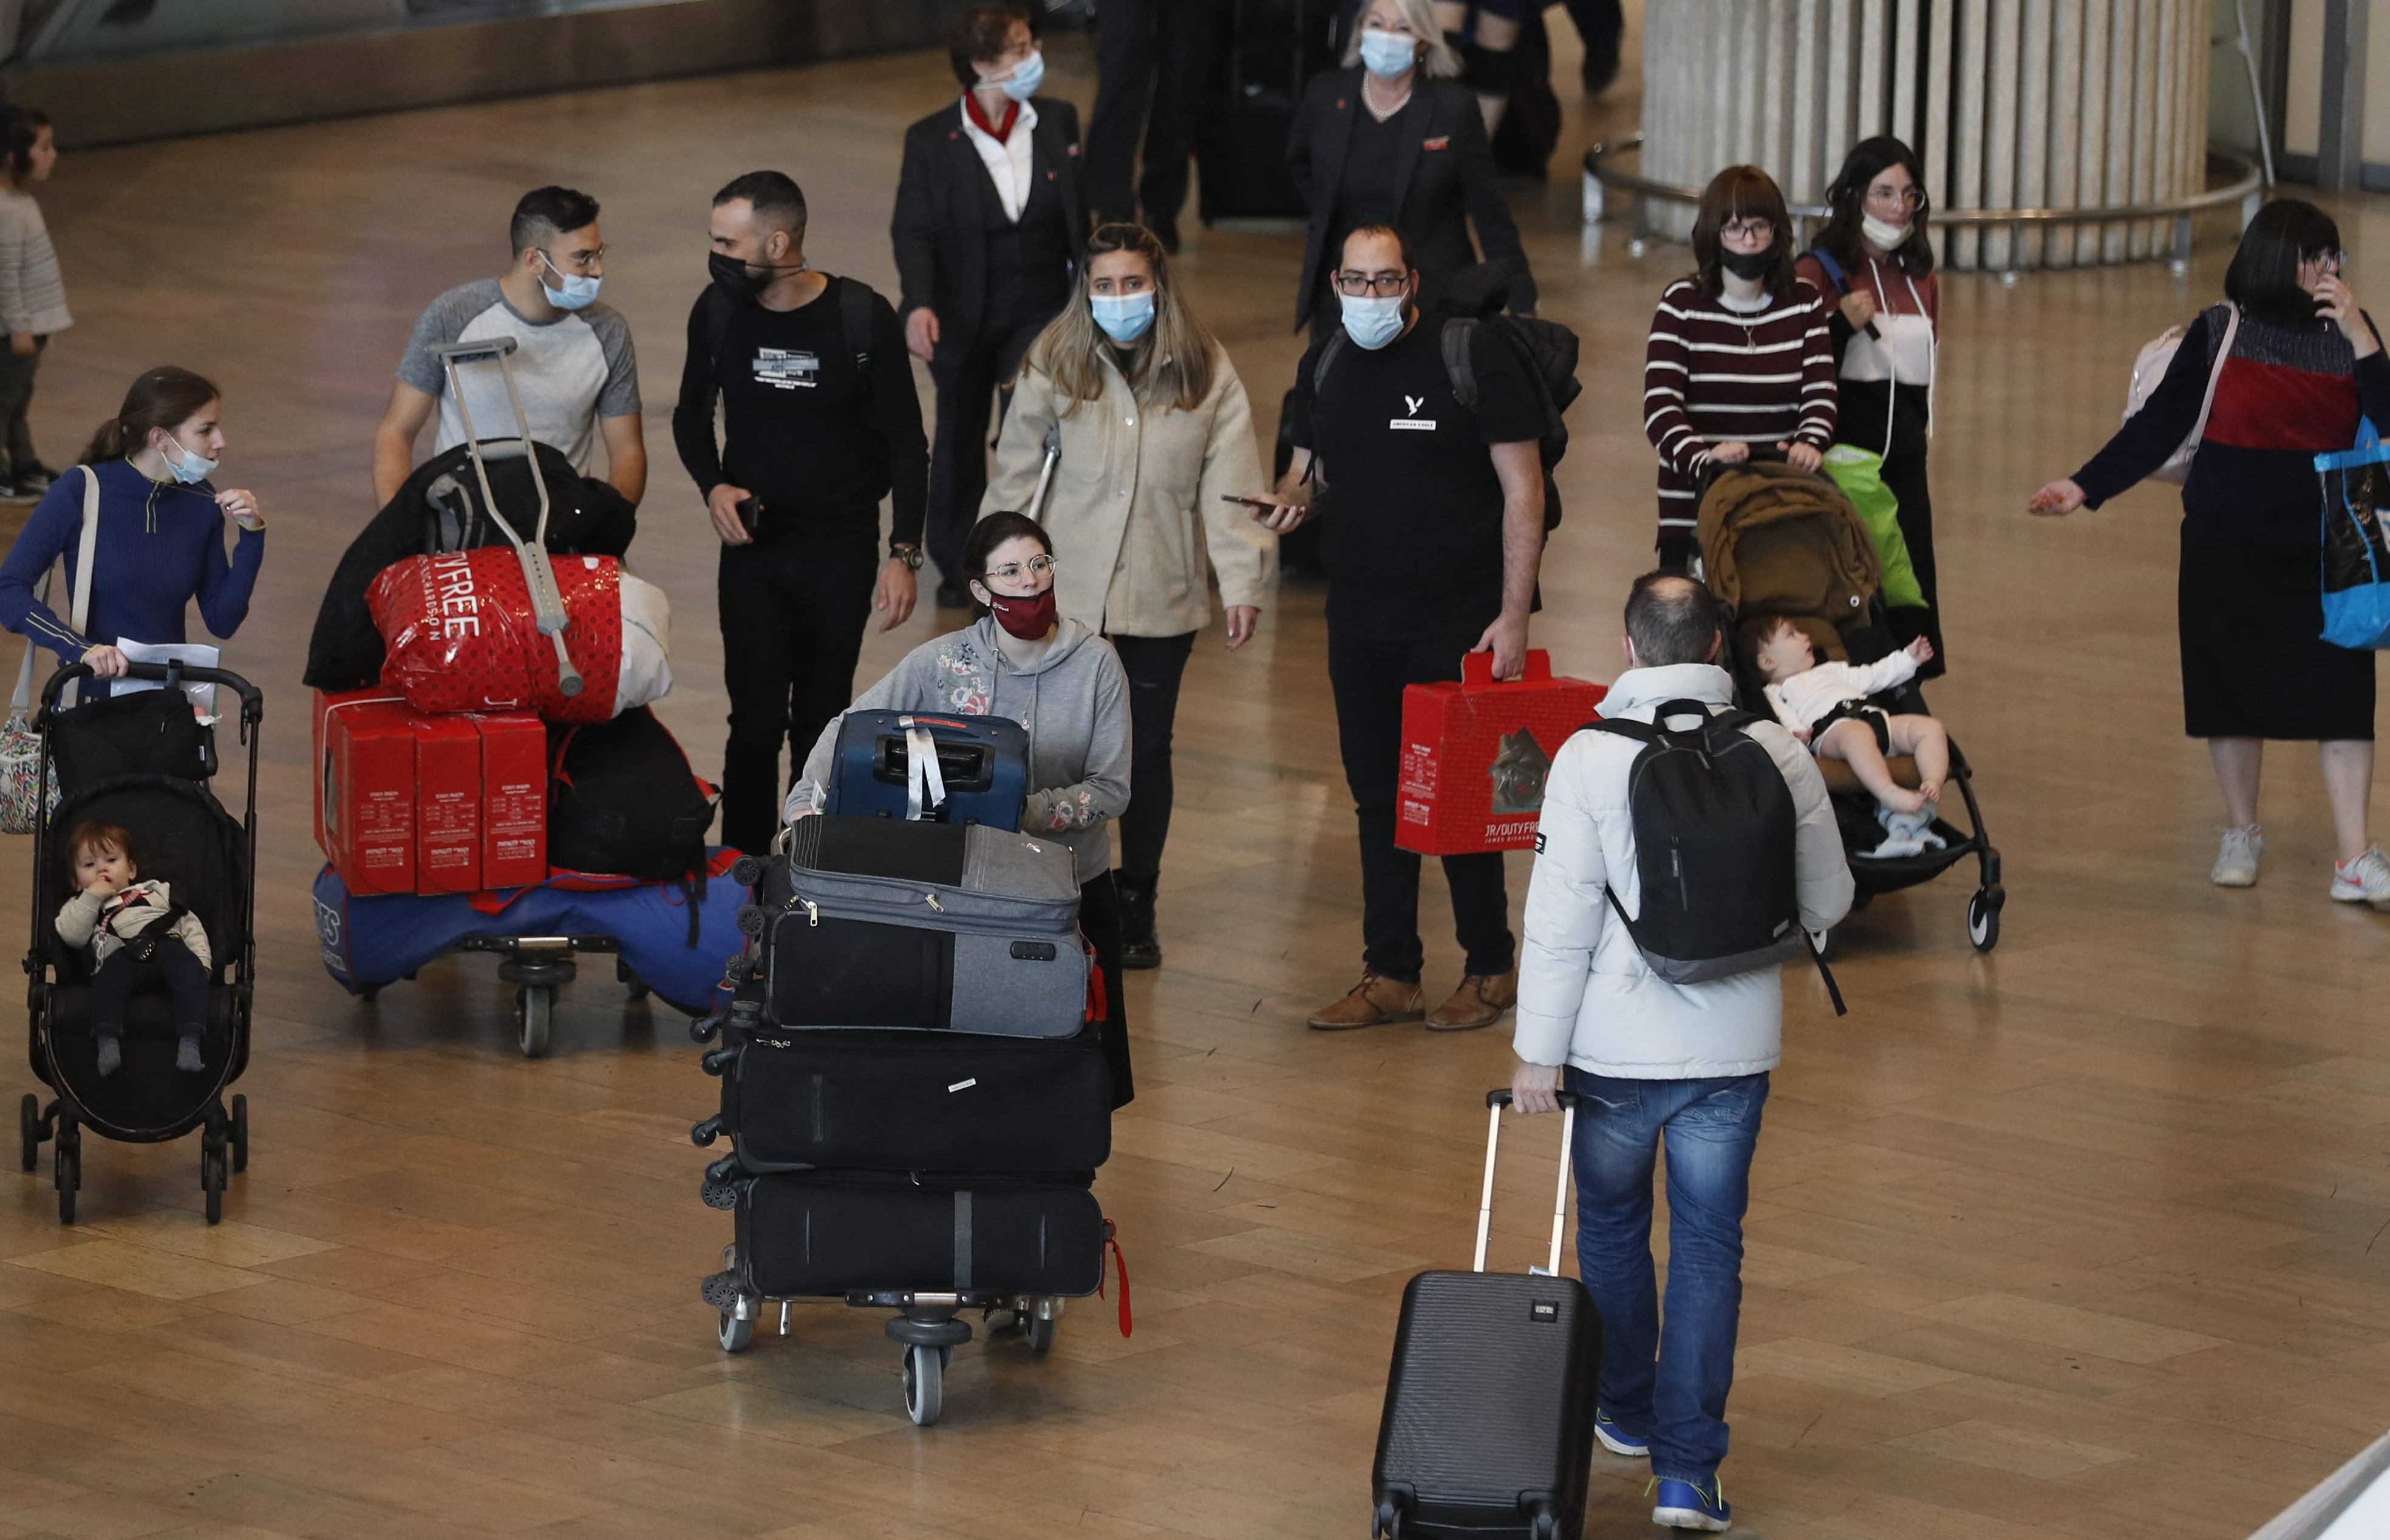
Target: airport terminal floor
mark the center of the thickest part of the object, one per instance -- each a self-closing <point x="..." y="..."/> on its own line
<point x="2086" y="1238"/>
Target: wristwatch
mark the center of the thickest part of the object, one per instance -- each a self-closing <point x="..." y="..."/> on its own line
<point x="906" y="552"/>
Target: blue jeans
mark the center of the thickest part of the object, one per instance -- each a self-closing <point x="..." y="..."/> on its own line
<point x="1668" y="1385"/>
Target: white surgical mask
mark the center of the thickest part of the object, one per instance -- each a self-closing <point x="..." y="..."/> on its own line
<point x="1386" y="54"/>
<point x="1372" y="321"/>
<point x="190" y="470"/>
<point x="579" y="290"/>
<point x="1124" y="317"/>
<point x="1025" y="78"/>
<point x="1883" y="236"/>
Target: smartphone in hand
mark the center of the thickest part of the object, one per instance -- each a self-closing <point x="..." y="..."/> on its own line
<point x="751" y="513"/>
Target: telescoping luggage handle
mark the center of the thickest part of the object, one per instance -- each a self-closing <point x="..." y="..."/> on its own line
<point x="1495" y="1101"/>
<point x="539" y="578"/>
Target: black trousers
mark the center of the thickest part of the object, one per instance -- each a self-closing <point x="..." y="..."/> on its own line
<point x="113" y="982"/>
<point x="1861" y="422"/>
<point x="1154" y="666"/>
<point x="1367" y="677"/>
<point x="1100" y="920"/>
<point x="16" y="402"/>
<point x="1153" y="57"/>
<point x="793" y="622"/>
<point x="966" y="375"/>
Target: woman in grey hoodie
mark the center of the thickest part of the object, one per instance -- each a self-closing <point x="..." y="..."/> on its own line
<point x="1063" y="683"/>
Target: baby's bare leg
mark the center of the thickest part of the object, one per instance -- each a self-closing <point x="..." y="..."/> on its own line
<point x="1853" y="743"/>
<point x="1925" y="737"/>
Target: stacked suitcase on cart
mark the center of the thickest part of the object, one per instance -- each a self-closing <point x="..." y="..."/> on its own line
<point x="911" y="1078"/>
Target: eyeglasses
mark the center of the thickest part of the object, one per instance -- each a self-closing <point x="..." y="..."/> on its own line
<point x="579" y="262"/>
<point x="1379" y="285"/>
<point x="1748" y="229"/>
<point x="1908" y="198"/>
<point x="1037" y="566"/>
<point x="2330" y="261"/>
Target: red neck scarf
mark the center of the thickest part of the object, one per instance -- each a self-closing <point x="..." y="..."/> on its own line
<point x="999" y="133"/>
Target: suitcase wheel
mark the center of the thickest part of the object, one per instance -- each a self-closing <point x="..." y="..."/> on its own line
<point x="1040" y="1331"/>
<point x="535" y="1014"/>
<point x="747" y="871"/>
<point x="925" y="1383"/>
<point x="736" y="1332"/>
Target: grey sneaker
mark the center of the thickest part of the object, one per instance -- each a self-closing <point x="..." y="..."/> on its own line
<point x="2236" y="858"/>
<point x="2363" y="880"/>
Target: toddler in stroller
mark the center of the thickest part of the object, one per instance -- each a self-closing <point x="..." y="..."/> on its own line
<point x="1825" y="705"/>
<point x="137" y="933"/>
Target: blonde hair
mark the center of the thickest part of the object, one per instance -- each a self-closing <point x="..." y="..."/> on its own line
<point x="1172" y="363"/>
<point x="1442" y="62"/>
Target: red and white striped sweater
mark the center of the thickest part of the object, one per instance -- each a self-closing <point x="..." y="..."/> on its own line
<point x="1711" y="374"/>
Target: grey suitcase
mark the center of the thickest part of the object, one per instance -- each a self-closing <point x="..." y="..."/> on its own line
<point x="879" y="922"/>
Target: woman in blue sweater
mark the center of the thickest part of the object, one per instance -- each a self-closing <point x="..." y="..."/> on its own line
<point x="160" y="540"/>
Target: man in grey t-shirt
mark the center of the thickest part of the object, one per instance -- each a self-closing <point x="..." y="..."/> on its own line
<point x="572" y="362"/>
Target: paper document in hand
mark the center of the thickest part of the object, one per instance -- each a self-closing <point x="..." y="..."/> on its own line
<point x="188" y="654"/>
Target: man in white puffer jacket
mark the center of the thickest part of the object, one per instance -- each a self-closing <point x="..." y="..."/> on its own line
<point x="1649" y="1061"/>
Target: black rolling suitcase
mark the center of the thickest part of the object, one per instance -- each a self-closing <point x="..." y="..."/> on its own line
<point x="1488" y="1426"/>
<point x="1268" y="50"/>
<point x="915" y="1101"/>
<point x="807" y="1235"/>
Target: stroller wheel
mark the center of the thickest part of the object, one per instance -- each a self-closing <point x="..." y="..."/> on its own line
<point x="212" y="1163"/>
<point x="1823" y="943"/>
<point x="29" y="1130"/>
<point x="535" y="1010"/>
<point x="240" y="1132"/>
<point x="1984" y="918"/>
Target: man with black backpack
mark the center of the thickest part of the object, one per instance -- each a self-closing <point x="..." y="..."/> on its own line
<point x="1434" y="547"/>
<point x="1686" y="850"/>
<point x="820" y="421"/>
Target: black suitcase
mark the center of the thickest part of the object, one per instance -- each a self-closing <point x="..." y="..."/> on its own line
<point x="806" y="1235"/>
<point x="917" y="1101"/>
<point x="1488" y="1426"/>
<point x="1268" y="49"/>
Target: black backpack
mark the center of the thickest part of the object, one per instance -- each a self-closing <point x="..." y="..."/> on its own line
<point x="621" y="800"/>
<point x="1715" y="828"/>
<point x="1547" y="348"/>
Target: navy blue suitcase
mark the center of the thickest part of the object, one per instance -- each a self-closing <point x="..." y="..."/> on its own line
<point x="938" y="769"/>
<point x="1488" y="1426"/>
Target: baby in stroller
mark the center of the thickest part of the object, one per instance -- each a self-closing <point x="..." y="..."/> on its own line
<point x="1825" y="704"/>
<point x="134" y="929"/>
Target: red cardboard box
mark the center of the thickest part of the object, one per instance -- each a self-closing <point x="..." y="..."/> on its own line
<point x="367" y="801"/>
<point x="329" y="702"/>
<point x="447" y="806"/>
<point x="1475" y="755"/>
<point x="514" y="807"/>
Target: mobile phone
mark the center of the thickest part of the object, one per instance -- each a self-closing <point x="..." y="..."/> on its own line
<point x="751" y="513"/>
<point x="1256" y="504"/>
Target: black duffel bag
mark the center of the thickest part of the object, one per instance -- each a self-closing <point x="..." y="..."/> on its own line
<point x="621" y="800"/>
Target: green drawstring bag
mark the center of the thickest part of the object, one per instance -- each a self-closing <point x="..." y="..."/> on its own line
<point x="1860" y="473"/>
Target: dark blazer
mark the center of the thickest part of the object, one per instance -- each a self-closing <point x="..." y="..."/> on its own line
<point x="941" y="199"/>
<point x="1446" y="175"/>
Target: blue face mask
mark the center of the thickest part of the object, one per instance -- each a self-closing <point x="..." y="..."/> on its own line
<point x="1370" y="321"/>
<point x="1025" y="78"/>
<point x="1386" y="54"/>
<point x="579" y="292"/>
<point x="1124" y="317"/>
<point x="190" y="470"/>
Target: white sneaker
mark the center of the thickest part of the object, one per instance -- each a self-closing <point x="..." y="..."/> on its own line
<point x="1904" y="834"/>
<point x="2236" y="858"/>
<point x="2363" y="880"/>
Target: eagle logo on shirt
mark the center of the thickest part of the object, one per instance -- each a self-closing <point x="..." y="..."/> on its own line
<point x="1412" y="421"/>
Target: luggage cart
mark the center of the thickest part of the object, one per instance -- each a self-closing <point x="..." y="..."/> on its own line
<point x="538" y="966"/>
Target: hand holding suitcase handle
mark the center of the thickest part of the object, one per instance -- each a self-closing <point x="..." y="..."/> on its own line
<point x="1496" y="1100"/>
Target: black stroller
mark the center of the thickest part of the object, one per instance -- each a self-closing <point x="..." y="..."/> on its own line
<point x="143" y="762"/>
<point x="1777" y="541"/>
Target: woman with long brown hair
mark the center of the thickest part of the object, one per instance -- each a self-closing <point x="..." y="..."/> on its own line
<point x="159" y="542"/>
<point x="1739" y="354"/>
<point x="1156" y="470"/>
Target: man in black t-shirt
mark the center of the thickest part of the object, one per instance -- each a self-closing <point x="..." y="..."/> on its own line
<point x="1432" y="552"/>
<point x="819" y="423"/>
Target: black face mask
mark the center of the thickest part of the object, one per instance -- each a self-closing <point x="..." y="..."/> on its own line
<point x="1747" y="264"/>
<point x="735" y="278"/>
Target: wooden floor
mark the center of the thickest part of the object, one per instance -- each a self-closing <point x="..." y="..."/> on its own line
<point x="2084" y="1240"/>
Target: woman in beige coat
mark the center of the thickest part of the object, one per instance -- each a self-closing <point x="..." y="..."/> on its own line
<point x="1156" y="470"/>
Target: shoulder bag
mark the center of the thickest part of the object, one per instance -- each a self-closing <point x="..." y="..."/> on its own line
<point x="21" y="746"/>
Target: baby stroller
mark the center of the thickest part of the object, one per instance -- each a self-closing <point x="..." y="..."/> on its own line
<point x="143" y="762"/>
<point x="1778" y="541"/>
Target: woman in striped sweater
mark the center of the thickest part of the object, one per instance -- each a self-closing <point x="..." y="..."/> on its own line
<point x="1740" y="353"/>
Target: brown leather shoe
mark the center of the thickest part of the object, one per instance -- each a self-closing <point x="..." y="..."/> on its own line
<point x="1479" y="1002"/>
<point x="1375" y="1001"/>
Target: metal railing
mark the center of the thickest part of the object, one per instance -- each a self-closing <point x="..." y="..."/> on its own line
<point x="2243" y="183"/>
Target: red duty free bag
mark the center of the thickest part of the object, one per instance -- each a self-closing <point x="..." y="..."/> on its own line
<point x="1475" y="755"/>
<point x="460" y="635"/>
